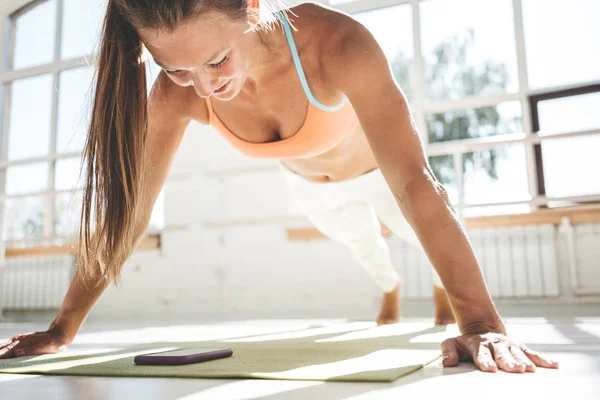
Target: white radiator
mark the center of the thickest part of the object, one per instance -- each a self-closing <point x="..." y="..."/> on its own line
<point x="35" y="283"/>
<point x="516" y="262"/>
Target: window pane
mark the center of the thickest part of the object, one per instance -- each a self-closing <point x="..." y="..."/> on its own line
<point x="496" y="175"/>
<point x="81" y="24"/>
<point x="392" y="28"/>
<point x="468" y="47"/>
<point x="67" y="174"/>
<point x="444" y="171"/>
<point x="67" y="211"/>
<point x="74" y="109"/>
<point x="571" y="166"/>
<point x="30" y="117"/>
<point x="569" y="114"/>
<point x="152" y="71"/>
<point x="561" y="41"/>
<point x="465" y="124"/>
<point x="35" y="36"/>
<point x="24" y="179"/>
<point x="157" y="219"/>
<point x="24" y="218"/>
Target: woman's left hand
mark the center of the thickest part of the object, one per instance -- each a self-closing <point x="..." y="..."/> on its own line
<point x="491" y="351"/>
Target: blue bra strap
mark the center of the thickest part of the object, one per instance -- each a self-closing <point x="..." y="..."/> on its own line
<point x="300" y="70"/>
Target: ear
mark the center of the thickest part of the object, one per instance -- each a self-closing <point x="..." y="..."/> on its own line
<point x="253" y="12"/>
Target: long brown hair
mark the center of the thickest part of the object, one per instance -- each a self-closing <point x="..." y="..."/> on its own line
<point x="111" y="218"/>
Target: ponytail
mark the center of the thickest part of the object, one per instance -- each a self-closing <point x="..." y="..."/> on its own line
<point x="114" y="151"/>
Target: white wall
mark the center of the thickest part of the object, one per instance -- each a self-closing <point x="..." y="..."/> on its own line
<point x="233" y="270"/>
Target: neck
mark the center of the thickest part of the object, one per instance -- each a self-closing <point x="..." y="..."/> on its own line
<point x="269" y="54"/>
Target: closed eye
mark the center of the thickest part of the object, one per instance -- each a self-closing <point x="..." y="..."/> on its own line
<point x="216" y="65"/>
<point x="220" y="63"/>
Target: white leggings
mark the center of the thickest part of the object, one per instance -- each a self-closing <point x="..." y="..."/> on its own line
<point x="348" y="211"/>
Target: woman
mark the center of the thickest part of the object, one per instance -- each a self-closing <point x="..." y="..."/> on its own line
<point x="353" y="136"/>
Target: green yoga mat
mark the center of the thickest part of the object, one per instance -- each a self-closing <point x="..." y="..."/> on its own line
<point x="376" y="354"/>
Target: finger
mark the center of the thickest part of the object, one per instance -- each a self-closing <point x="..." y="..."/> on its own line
<point x="504" y="358"/>
<point x="482" y="357"/>
<point x="522" y="358"/>
<point x="538" y="359"/>
<point x="3" y="350"/>
<point x="37" y="349"/>
<point x="449" y="353"/>
<point x="452" y="353"/>
<point x="20" y="336"/>
<point x="5" y="344"/>
<point x="7" y="350"/>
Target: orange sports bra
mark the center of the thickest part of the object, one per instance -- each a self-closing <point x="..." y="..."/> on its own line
<point x="323" y="129"/>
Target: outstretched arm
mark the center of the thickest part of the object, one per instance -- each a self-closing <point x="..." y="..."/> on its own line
<point x="390" y="129"/>
<point x="169" y="113"/>
<point x="356" y="66"/>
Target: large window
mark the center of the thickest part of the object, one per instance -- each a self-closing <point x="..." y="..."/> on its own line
<point x="505" y="94"/>
<point x="392" y="28"/>
<point x="561" y="39"/>
<point x="568" y="164"/>
<point x="468" y="48"/>
<point x="489" y="83"/>
<point x="47" y="92"/>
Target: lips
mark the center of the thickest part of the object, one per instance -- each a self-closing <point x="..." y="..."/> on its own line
<point x="222" y="88"/>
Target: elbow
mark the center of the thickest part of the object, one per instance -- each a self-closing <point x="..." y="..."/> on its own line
<point x="443" y="193"/>
<point x="424" y="197"/>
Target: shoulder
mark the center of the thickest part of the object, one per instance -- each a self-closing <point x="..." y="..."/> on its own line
<point x="176" y="102"/>
<point x="346" y="48"/>
<point x="331" y="27"/>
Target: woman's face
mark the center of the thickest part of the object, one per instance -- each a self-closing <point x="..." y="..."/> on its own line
<point x="212" y="53"/>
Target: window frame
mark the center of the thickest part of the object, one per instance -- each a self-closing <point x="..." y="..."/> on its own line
<point x="8" y="75"/>
<point x="534" y="101"/>
<point x="421" y="106"/>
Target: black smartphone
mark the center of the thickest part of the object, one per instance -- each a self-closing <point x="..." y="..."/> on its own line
<point x="182" y="356"/>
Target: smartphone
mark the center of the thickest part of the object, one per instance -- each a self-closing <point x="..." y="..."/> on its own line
<point x="182" y="356"/>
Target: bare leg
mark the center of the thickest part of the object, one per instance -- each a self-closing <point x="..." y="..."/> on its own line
<point x="390" y="307"/>
<point x="443" y="311"/>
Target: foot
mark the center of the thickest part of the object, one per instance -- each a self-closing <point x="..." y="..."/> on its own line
<point x="390" y="307"/>
<point x="443" y="311"/>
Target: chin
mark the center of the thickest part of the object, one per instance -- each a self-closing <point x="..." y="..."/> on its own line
<point x="225" y="96"/>
<point x="230" y="94"/>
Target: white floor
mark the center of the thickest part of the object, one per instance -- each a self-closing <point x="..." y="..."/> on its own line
<point x="569" y="334"/>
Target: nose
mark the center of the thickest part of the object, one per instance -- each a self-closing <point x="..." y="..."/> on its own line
<point x="202" y="91"/>
<point x="205" y="87"/>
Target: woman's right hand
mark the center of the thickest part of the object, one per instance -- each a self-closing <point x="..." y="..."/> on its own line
<point x="51" y="341"/>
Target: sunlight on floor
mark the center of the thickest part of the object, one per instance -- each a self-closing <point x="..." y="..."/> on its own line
<point x="535" y="331"/>
<point x="90" y="353"/>
<point x="54" y="365"/>
<point x="7" y="378"/>
<point x="402" y="328"/>
<point x="183" y="333"/>
<point x="375" y="361"/>
<point x="351" y="326"/>
<point x="592" y="329"/>
<point x="250" y="389"/>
